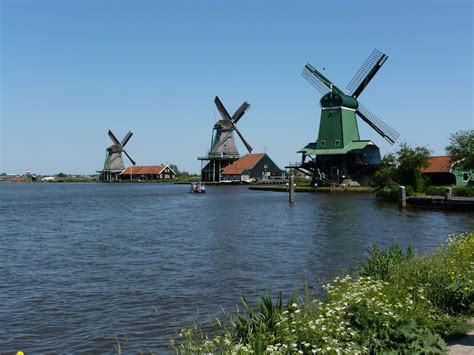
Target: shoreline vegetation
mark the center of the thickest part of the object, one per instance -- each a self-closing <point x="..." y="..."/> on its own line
<point x="396" y="302"/>
<point x="301" y="186"/>
<point x="307" y="188"/>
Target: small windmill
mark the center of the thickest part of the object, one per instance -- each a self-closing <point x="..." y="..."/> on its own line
<point x="223" y="150"/>
<point x="113" y="165"/>
<point x="338" y="152"/>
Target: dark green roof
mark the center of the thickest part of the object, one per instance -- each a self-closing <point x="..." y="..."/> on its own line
<point x="310" y="149"/>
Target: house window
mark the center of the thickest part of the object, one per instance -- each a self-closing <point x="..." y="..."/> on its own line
<point x="337" y="142"/>
<point x="323" y="143"/>
<point x="465" y="177"/>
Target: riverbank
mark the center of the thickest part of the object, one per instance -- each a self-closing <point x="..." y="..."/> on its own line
<point x="283" y="188"/>
<point x="438" y="202"/>
<point x="396" y="302"/>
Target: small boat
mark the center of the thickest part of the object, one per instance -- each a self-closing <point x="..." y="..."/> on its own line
<point x="198" y="188"/>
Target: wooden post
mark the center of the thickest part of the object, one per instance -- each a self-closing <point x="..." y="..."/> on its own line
<point x="402" y="197"/>
<point x="448" y="194"/>
<point x="291" y="188"/>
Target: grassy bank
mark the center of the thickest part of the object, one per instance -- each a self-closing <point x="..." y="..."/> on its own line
<point x="397" y="302"/>
<point x="284" y="188"/>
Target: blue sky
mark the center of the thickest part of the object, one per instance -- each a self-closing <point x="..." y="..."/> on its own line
<point x="71" y="70"/>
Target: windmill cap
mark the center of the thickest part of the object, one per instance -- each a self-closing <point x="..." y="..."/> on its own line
<point x="332" y="99"/>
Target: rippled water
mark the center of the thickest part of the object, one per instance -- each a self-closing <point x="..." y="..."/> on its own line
<point x="82" y="263"/>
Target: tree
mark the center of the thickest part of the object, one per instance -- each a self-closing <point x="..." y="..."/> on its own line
<point x="461" y="148"/>
<point x="401" y="168"/>
<point x="410" y="161"/>
<point x="386" y="174"/>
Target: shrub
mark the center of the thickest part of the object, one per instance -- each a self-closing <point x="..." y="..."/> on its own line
<point x="464" y="191"/>
<point x="387" y="193"/>
<point x="401" y="168"/>
<point x="457" y="191"/>
<point x="435" y="190"/>
<point x="399" y="303"/>
<point x="390" y="193"/>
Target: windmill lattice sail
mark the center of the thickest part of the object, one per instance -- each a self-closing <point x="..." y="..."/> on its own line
<point x="366" y="72"/>
<point x="311" y="75"/>
<point x="377" y="124"/>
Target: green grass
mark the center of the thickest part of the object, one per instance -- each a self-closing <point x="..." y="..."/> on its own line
<point x="397" y="302"/>
<point x="457" y="191"/>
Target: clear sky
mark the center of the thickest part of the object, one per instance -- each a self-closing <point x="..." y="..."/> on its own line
<point x="71" y="70"/>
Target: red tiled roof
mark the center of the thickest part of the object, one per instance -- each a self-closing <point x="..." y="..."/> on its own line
<point x="440" y="164"/>
<point x="244" y="163"/>
<point x="144" y="170"/>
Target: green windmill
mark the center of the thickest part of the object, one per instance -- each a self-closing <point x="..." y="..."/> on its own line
<point x="339" y="154"/>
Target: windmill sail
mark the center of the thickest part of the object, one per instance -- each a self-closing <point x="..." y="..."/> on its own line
<point x="113" y="138"/>
<point x="377" y="124"/>
<point x="126" y="138"/>
<point x="247" y="145"/>
<point x="225" y="115"/>
<point x="240" y="112"/>
<point x="128" y="156"/>
<point x="366" y="72"/>
<point x="316" y="79"/>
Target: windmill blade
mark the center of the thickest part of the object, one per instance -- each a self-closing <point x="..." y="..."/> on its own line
<point x="126" y="138"/>
<point x="128" y="156"/>
<point x="225" y="115"/>
<point x="377" y="124"/>
<point x="319" y="81"/>
<point x="366" y="72"/>
<point x="247" y="145"/>
<point x="113" y="138"/>
<point x="240" y="112"/>
<point x="316" y="79"/>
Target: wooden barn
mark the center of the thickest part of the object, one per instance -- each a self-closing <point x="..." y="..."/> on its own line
<point x="251" y="168"/>
<point x="150" y="172"/>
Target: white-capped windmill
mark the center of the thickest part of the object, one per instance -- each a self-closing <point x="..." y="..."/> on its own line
<point x="223" y="150"/>
<point x="113" y="164"/>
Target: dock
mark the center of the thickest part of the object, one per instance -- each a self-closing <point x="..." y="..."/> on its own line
<point x="440" y="202"/>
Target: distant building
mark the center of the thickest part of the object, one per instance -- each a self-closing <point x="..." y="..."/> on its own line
<point x="443" y="171"/>
<point x="250" y="168"/>
<point x="151" y="172"/>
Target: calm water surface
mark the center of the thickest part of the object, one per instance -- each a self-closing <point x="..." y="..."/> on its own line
<point x="83" y="263"/>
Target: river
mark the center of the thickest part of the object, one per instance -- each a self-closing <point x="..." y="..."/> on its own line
<point x="83" y="263"/>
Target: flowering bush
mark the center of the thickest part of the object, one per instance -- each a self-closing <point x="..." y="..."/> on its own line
<point x="400" y="303"/>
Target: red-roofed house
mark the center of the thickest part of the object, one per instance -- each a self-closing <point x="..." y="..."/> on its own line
<point x="443" y="171"/>
<point x="249" y="168"/>
<point x="150" y="172"/>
